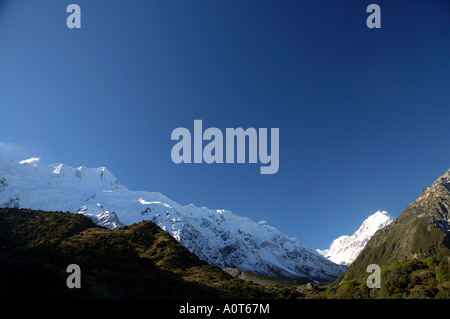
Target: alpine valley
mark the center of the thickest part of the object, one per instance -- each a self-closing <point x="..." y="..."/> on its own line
<point x="218" y="237"/>
<point x="143" y="244"/>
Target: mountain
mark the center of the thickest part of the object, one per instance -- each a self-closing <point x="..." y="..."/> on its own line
<point x="421" y="231"/>
<point x="345" y="249"/>
<point x="137" y="261"/>
<point x="218" y="237"/>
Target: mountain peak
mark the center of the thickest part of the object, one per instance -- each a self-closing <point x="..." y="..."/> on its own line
<point x="422" y="230"/>
<point x="345" y="249"/>
<point x="375" y="221"/>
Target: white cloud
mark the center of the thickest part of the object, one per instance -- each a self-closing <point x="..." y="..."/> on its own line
<point x="9" y="148"/>
<point x="17" y="152"/>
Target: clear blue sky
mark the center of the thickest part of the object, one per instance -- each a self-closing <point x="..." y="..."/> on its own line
<point x="364" y="114"/>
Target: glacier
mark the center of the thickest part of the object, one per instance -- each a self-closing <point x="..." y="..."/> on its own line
<point x="216" y="236"/>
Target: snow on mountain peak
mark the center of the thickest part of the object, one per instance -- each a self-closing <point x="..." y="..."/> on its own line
<point x="219" y="237"/>
<point x="57" y="169"/>
<point x="34" y="161"/>
<point x="345" y="249"/>
<point x="374" y="222"/>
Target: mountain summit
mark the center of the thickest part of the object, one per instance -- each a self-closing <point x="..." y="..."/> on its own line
<point x="422" y="230"/>
<point x="345" y="249"/>
<point x="218" y="237"/>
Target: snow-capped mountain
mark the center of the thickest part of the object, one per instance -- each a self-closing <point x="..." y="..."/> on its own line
<point x="216" y="236"/>
<point x="345" y="249"/>
<point x="421" y="231"/>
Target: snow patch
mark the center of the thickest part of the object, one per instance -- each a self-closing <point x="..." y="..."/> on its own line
<point x="34" y="161"/>
<point x="57" y="169"/>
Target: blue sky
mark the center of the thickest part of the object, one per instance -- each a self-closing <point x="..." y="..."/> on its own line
<point x="363" y="113"/>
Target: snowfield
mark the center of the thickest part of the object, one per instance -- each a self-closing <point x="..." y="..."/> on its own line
<point x="345" y="249"/>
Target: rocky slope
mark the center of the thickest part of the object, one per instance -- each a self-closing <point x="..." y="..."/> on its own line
<point x="422" y="230"/>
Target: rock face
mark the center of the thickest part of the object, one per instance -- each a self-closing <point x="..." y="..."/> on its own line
<point x="345" y="249"/>
<point x="228" y="240"/>
<point x="219" y="237"/>
<point x="421" y="230"/>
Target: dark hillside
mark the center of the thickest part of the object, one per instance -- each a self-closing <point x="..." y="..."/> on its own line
<point x="137" y="261"/>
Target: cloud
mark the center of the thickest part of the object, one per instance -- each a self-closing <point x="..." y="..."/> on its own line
<point x="16" y="152"/>
<point x="7" y="148"/>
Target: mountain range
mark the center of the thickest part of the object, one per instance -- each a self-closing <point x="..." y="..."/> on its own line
<point x="216" y="236"/>
<point x="132" y="227"/>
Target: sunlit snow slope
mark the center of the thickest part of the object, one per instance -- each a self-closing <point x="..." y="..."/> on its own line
<point x="345" y="249"/>
<point x="216" y="236"/>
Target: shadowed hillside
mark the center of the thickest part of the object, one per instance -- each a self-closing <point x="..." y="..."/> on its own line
<point x="137" y="261"/>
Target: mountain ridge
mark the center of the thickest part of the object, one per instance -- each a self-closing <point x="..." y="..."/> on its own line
<point x="422" y="230"/>
<point x="345" y="249"/>
<point x="139" y="261"/>
<point x="219" y="237"/>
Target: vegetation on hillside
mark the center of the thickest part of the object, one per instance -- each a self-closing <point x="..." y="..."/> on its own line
<point x="142" y="261"/>
<point x="406" y="279"/>
<point x="137" y="261"/>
